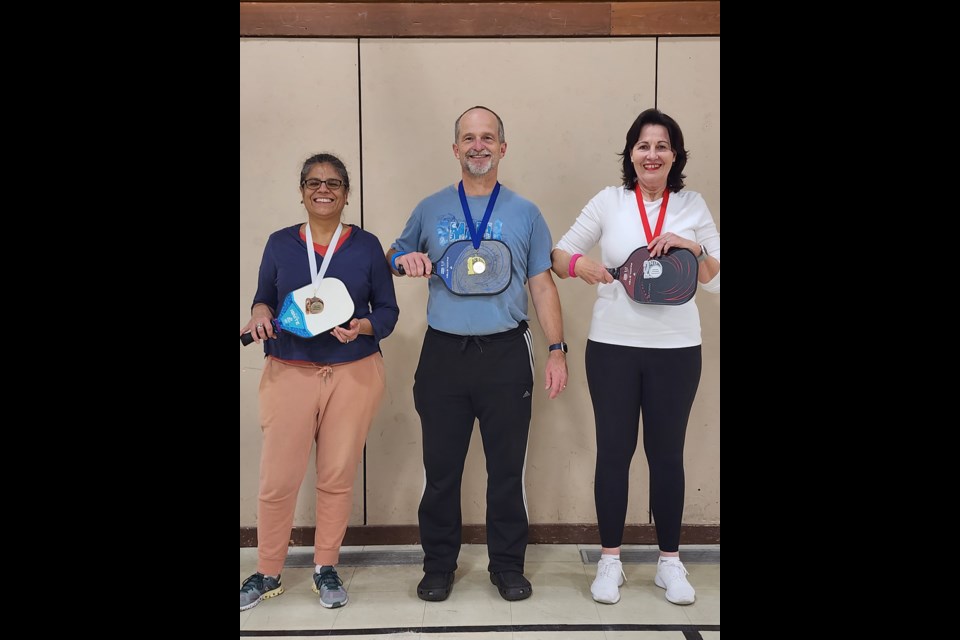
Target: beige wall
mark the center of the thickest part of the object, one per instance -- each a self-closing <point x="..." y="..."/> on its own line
<point x="566" y="105"/>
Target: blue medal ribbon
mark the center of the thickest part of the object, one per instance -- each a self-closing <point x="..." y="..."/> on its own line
<point x="476" y="235"/>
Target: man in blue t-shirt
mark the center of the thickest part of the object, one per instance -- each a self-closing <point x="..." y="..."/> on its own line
<point x="486" y="242"/>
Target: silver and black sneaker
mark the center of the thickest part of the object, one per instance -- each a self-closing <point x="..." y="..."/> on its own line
<point x="330" y="587"/>
<point x="256" y="588"/>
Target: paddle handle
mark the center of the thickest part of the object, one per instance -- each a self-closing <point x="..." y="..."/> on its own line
<point x="433" y="269"/>
<point x="247" y="338"/>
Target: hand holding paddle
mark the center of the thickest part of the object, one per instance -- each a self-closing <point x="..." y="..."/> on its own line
<point x="466" y="271"/>
<point x="670" y="278"/>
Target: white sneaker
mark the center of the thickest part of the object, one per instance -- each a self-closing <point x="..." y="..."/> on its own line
<point x="672" y="576"/>
<point x="606" y="587"/>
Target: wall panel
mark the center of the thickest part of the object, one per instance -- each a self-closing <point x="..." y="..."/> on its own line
<point x="297" y="98"/>
<point x="689" y="90"/>
<point x="565" y="105"/>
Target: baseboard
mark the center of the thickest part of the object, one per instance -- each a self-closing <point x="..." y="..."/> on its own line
<point x="476" y="534"/>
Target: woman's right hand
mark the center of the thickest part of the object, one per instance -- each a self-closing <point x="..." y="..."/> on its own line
<point x="260" y="325"/>
<point x="592" y="272"/>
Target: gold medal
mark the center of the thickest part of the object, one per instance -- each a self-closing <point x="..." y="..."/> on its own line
<point x="476" y="265"/>
<point x="313" y="305"/>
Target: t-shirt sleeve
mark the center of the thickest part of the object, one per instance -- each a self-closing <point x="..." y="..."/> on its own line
<point x="540" y="246"/>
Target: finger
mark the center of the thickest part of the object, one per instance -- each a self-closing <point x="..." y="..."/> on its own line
<point x="555" y="391"/>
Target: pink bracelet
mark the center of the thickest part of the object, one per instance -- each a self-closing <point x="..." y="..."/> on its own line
<point x="573" y="263"/>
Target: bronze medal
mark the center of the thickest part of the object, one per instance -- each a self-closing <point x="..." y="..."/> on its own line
<point x="314" y="305"/>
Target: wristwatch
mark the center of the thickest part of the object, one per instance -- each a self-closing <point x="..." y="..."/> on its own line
<point x="560" y="345"/>
<point x="703" y="254"/>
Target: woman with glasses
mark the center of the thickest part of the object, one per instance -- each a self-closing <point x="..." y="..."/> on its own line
<point x="325" y="389"/>
<point x="654" y="349"/>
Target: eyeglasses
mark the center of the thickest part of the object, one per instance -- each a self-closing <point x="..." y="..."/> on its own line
<point x="332" y="183"/>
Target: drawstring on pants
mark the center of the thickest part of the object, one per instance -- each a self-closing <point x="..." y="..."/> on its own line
<point x="476" y="340"/>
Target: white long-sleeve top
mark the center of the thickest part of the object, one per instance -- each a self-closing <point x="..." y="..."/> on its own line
<point x="612" y="219"/>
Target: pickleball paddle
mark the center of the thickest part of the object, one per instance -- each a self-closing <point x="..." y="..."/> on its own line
<point x="466" y="271"/>
<point x="669" y="279"/>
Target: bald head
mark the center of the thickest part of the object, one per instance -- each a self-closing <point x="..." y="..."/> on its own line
<point x="456" y="126"/>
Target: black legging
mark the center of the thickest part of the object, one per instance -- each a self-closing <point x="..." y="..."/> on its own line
<point x="625" y="384"/>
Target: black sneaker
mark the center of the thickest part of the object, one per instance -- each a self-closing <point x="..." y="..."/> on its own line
<point x="512" y="585"/>
<point x="256" y="588"/>
<point x="435" y="586"/>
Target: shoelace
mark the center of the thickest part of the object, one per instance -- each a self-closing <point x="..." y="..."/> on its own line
<point x="611" y="570"/>
<point x="328" y="579"/>
<point x="677" y="570"/>
<point x="253" y="583"/>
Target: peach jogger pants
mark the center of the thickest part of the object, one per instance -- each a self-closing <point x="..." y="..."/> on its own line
<point x="302" y="404"/>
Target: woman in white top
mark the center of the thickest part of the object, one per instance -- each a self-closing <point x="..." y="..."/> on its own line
<point x="654" y="349"/>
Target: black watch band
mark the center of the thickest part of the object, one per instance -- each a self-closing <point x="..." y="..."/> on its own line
<point x="560" y="345"/>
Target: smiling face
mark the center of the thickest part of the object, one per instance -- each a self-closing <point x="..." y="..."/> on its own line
<point x="479" y="147"/>
<point x="323" y="202"/>
<point x="653" y="157"/>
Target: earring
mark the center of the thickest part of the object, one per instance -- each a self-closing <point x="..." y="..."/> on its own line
<point x="301" y="202"/>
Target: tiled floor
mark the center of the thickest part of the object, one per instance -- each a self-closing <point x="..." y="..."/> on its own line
<point x="383" y="602"/>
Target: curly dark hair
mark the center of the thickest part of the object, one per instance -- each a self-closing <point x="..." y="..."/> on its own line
<point x="655" y="116"/>
<point x="326" y="158"/>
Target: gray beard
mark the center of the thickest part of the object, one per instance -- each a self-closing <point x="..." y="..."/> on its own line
<point x="479" y="171"/>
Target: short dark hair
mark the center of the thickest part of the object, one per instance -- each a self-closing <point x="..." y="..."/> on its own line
<point x="655" y="116"/>
<point x="326" y="158"/>
<point x="456" y="125"/>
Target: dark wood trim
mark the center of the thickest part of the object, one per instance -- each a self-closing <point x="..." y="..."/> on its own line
<point x="476" y="534"/>
<point x="450" y="1"/>
<point x="478" y="20"/>
<point x="665" y="19"/>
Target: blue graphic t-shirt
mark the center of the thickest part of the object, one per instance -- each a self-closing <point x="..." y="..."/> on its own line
<point x="438" y="221"/>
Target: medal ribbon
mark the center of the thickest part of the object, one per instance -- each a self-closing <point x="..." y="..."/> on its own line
<point x="476" y="235"/>
<point x="643" y="214"/>
<point x="316" y="277"/>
